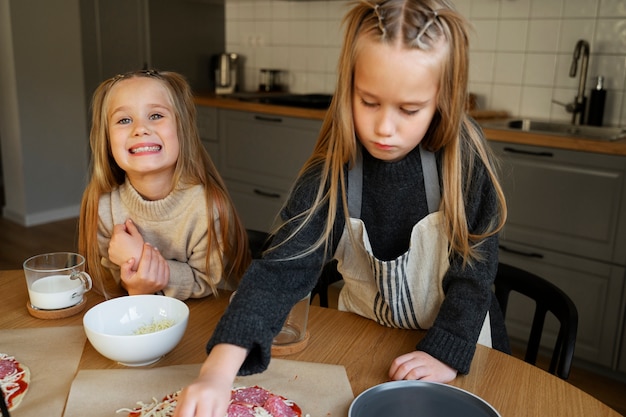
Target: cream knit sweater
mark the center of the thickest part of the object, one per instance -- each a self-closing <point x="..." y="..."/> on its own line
<point x="177" y="225"/>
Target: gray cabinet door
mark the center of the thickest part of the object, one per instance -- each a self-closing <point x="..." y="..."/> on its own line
<point x="264" y="149"/>
<point x="571" y="202"/>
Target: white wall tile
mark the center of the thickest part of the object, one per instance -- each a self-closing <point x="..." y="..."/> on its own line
<point x="610" y="36"/>
<point x="580" y="8"/>
<point x="612" y="8"/>
<point x="536" y="102"/>
<point x="546" y="8"/>
<point x="484" y="35"/>
<point x="482" y="66"/>
<point x="512" y="35"/>
<point x="543" y="35"/>
<point x="507" y="98"/>
<point x="509" y="68"/>
<point x="539" y="69"/>
<point x="574" y="29"/>
<point x="515" y="9"/>
<point x="484" y="9"/>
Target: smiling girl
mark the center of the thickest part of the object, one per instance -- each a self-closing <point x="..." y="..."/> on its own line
<point x="155" y="216"/>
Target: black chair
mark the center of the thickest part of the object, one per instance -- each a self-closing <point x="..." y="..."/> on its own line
<point x="258" y="242"/>
<point x="328" y="276"/>
<point x="548" y="298"/>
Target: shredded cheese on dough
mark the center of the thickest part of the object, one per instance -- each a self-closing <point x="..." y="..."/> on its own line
<point x="9" y="384"/>
<point x="156" y="408"/>
<point x="155" y="326"/>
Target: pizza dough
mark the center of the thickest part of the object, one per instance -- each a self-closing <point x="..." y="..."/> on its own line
<point x="245" y="402"/>
<point x="14" y="380"/>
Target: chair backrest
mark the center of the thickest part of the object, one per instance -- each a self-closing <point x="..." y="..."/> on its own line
<point x="548" y="298"/>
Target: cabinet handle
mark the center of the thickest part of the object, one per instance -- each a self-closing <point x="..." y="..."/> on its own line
<point x="522" y="253"/>
<point x="268" y="119"/>
<point x="523" y="152"/>
<point x="266" y="194"/>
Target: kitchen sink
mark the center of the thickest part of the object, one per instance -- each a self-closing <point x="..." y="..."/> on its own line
<point x="560" y="129"/>
<point x="309" y="101"/>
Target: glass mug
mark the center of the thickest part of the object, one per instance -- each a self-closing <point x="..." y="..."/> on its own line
<point x="294" y="328"/>
<point x="56" y="280"/>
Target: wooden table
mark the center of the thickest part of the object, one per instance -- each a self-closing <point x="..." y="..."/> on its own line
<point x="363" y="347"/>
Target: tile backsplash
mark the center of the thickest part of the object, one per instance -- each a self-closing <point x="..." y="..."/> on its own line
<point x="521" y="50"/>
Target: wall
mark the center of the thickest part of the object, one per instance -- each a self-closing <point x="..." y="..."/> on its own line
<point x="43" y="129"/>
<point x="521" y="50"/>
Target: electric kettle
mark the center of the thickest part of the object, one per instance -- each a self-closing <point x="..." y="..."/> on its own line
<point x="226" y="73"/>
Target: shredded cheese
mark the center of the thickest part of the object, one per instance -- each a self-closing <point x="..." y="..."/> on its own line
<point x="155" y="326"/>
<point x="156" y="408"/>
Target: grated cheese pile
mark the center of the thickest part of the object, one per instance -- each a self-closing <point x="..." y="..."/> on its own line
<point x="156" y="408"/>
<point x="155" y="326"/>
<point x="9" y="384"/>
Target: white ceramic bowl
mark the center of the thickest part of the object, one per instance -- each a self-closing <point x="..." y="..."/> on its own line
<point x="111" y="327"/>
<point x="419" y="399"/>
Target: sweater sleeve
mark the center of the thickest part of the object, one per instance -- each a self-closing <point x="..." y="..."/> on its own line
<point x="468" y="289"/>
<point x="272" y="285"/>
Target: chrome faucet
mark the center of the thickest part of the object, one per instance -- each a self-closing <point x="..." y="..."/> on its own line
<point x="577" y="107"/>
<point x="581" y="100"/>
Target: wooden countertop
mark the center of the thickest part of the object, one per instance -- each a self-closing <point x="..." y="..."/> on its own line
<point x="482" y="116"/>
<point x="363" y="347"/>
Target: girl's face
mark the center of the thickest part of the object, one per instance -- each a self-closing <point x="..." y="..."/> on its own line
<point x="142" y="128"/>
<point x="395" y="97"/>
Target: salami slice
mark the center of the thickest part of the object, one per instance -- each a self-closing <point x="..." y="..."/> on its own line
<point x="278" y="407"/>
<point x="254" y="396"/>
<point x="240" y="410"/>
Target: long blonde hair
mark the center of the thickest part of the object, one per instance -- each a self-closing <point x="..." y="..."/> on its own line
<point x="423" y="24"/>
<point x="194" y="166"/>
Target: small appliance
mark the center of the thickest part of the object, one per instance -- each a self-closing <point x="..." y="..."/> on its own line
<point x="226" y="73"/>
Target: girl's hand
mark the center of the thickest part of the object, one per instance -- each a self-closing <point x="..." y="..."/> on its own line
<point x="209" y="394"/>
<point x="126" y="243"/>
<point x="150" y="276"/>
<point x="420" y="365"/>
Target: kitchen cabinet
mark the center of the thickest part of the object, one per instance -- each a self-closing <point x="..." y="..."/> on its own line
<point x="175" y="35"/>
<point x="567" y="223"/>
<point x="260" y="157"/>
<point x="207" y="128"/>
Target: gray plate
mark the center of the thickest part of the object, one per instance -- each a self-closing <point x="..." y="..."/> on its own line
<point x="419" y="399"/>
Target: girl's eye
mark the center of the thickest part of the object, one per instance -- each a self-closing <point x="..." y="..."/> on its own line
<point x="410" y="112"/>
<point x="124" y="121"/>
<point x="156" y="116"/>
<point x="367" y="103"/>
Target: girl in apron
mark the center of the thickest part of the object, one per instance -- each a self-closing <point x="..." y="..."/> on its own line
<point x="400" y="190"/>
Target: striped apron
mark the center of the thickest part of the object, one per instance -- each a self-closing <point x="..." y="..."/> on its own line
<point x="405" y="292"/>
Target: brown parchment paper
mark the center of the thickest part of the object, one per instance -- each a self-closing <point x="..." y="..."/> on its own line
<point x="320" y="390"/>
<point x="52" y="354"/>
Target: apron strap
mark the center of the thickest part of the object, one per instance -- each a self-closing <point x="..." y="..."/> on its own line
<point x="431" y="179"/>
<point x="431" y="183"/>
<point x="355" y="186"/>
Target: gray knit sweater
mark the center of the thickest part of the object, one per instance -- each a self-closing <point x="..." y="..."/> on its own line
<point x="393" y="202"/>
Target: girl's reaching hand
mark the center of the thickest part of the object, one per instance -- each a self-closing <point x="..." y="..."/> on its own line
<point x="209" y="394"/>
<point x="420" y="365"/>
<point x="126" y="243"/>
<point x="150" y="276"/>
<point x="205" y="397"/>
